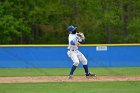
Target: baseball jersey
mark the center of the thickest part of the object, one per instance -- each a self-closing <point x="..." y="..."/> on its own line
<point x="73" y="39"/>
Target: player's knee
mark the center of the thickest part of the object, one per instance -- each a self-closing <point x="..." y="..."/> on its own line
<point x="85" y="63"/>
<point x="76" y="63"/>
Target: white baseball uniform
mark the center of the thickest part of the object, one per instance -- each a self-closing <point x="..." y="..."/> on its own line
<point x="73" y="51"/>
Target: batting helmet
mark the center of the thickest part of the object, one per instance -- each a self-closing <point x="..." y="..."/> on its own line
<point x="71" y="28"/>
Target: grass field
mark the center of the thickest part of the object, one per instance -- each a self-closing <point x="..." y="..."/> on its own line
<point x="65" y="71"/>
<point x="71" y="87"/>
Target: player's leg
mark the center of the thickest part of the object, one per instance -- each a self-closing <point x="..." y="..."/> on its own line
<point x="75" y="60"/>
<point x="85" y="64"/>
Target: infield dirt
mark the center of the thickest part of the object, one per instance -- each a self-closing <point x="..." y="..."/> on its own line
<point x="27" y="79"/>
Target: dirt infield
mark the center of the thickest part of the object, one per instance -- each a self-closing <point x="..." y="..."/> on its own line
<point x="65" y="79"/>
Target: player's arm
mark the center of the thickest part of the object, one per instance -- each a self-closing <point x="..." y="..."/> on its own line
<point x="80" y="37"/>
<point x="81" y="41"/>
<point x="77" y="43"/>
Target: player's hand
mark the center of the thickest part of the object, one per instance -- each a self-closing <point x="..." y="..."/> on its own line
<point x="77" y="44"/>
<point x="80" y="34"/>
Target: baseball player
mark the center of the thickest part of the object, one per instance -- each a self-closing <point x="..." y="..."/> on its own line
<point x="75" y="39"/>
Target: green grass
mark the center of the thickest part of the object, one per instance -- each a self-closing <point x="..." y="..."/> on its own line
<point x="73" y="87"/>
<point x="65" y="71"/>
<point x="70" y="87"/>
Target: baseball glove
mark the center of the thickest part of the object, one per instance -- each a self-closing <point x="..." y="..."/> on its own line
<point x="80" y="34"/>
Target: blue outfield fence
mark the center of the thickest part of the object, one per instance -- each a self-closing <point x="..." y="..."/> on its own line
<point x="55" y="56"/>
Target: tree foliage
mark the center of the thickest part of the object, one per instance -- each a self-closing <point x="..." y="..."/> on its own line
<point x="46" y="21"/>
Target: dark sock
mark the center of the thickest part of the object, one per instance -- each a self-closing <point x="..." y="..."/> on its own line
<point x="86" y="68"/>
<point x="72" y="69"/>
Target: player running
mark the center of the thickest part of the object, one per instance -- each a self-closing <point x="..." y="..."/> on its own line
<point x="75" y="39"/>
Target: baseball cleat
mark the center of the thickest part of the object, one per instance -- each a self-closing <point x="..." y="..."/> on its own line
<point x="70" y="77"/>
<point x="90" y="75"/>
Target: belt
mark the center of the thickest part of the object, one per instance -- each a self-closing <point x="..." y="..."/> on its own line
<point x="71" y="50"/>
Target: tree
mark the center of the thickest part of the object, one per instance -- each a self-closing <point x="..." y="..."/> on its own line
<point x="12" y="29"/>
<point x="46" y="21"/>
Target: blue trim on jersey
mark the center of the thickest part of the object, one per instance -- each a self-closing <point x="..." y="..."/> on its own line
<point x="82" y="41"/>
<point x="72" y="42"/>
